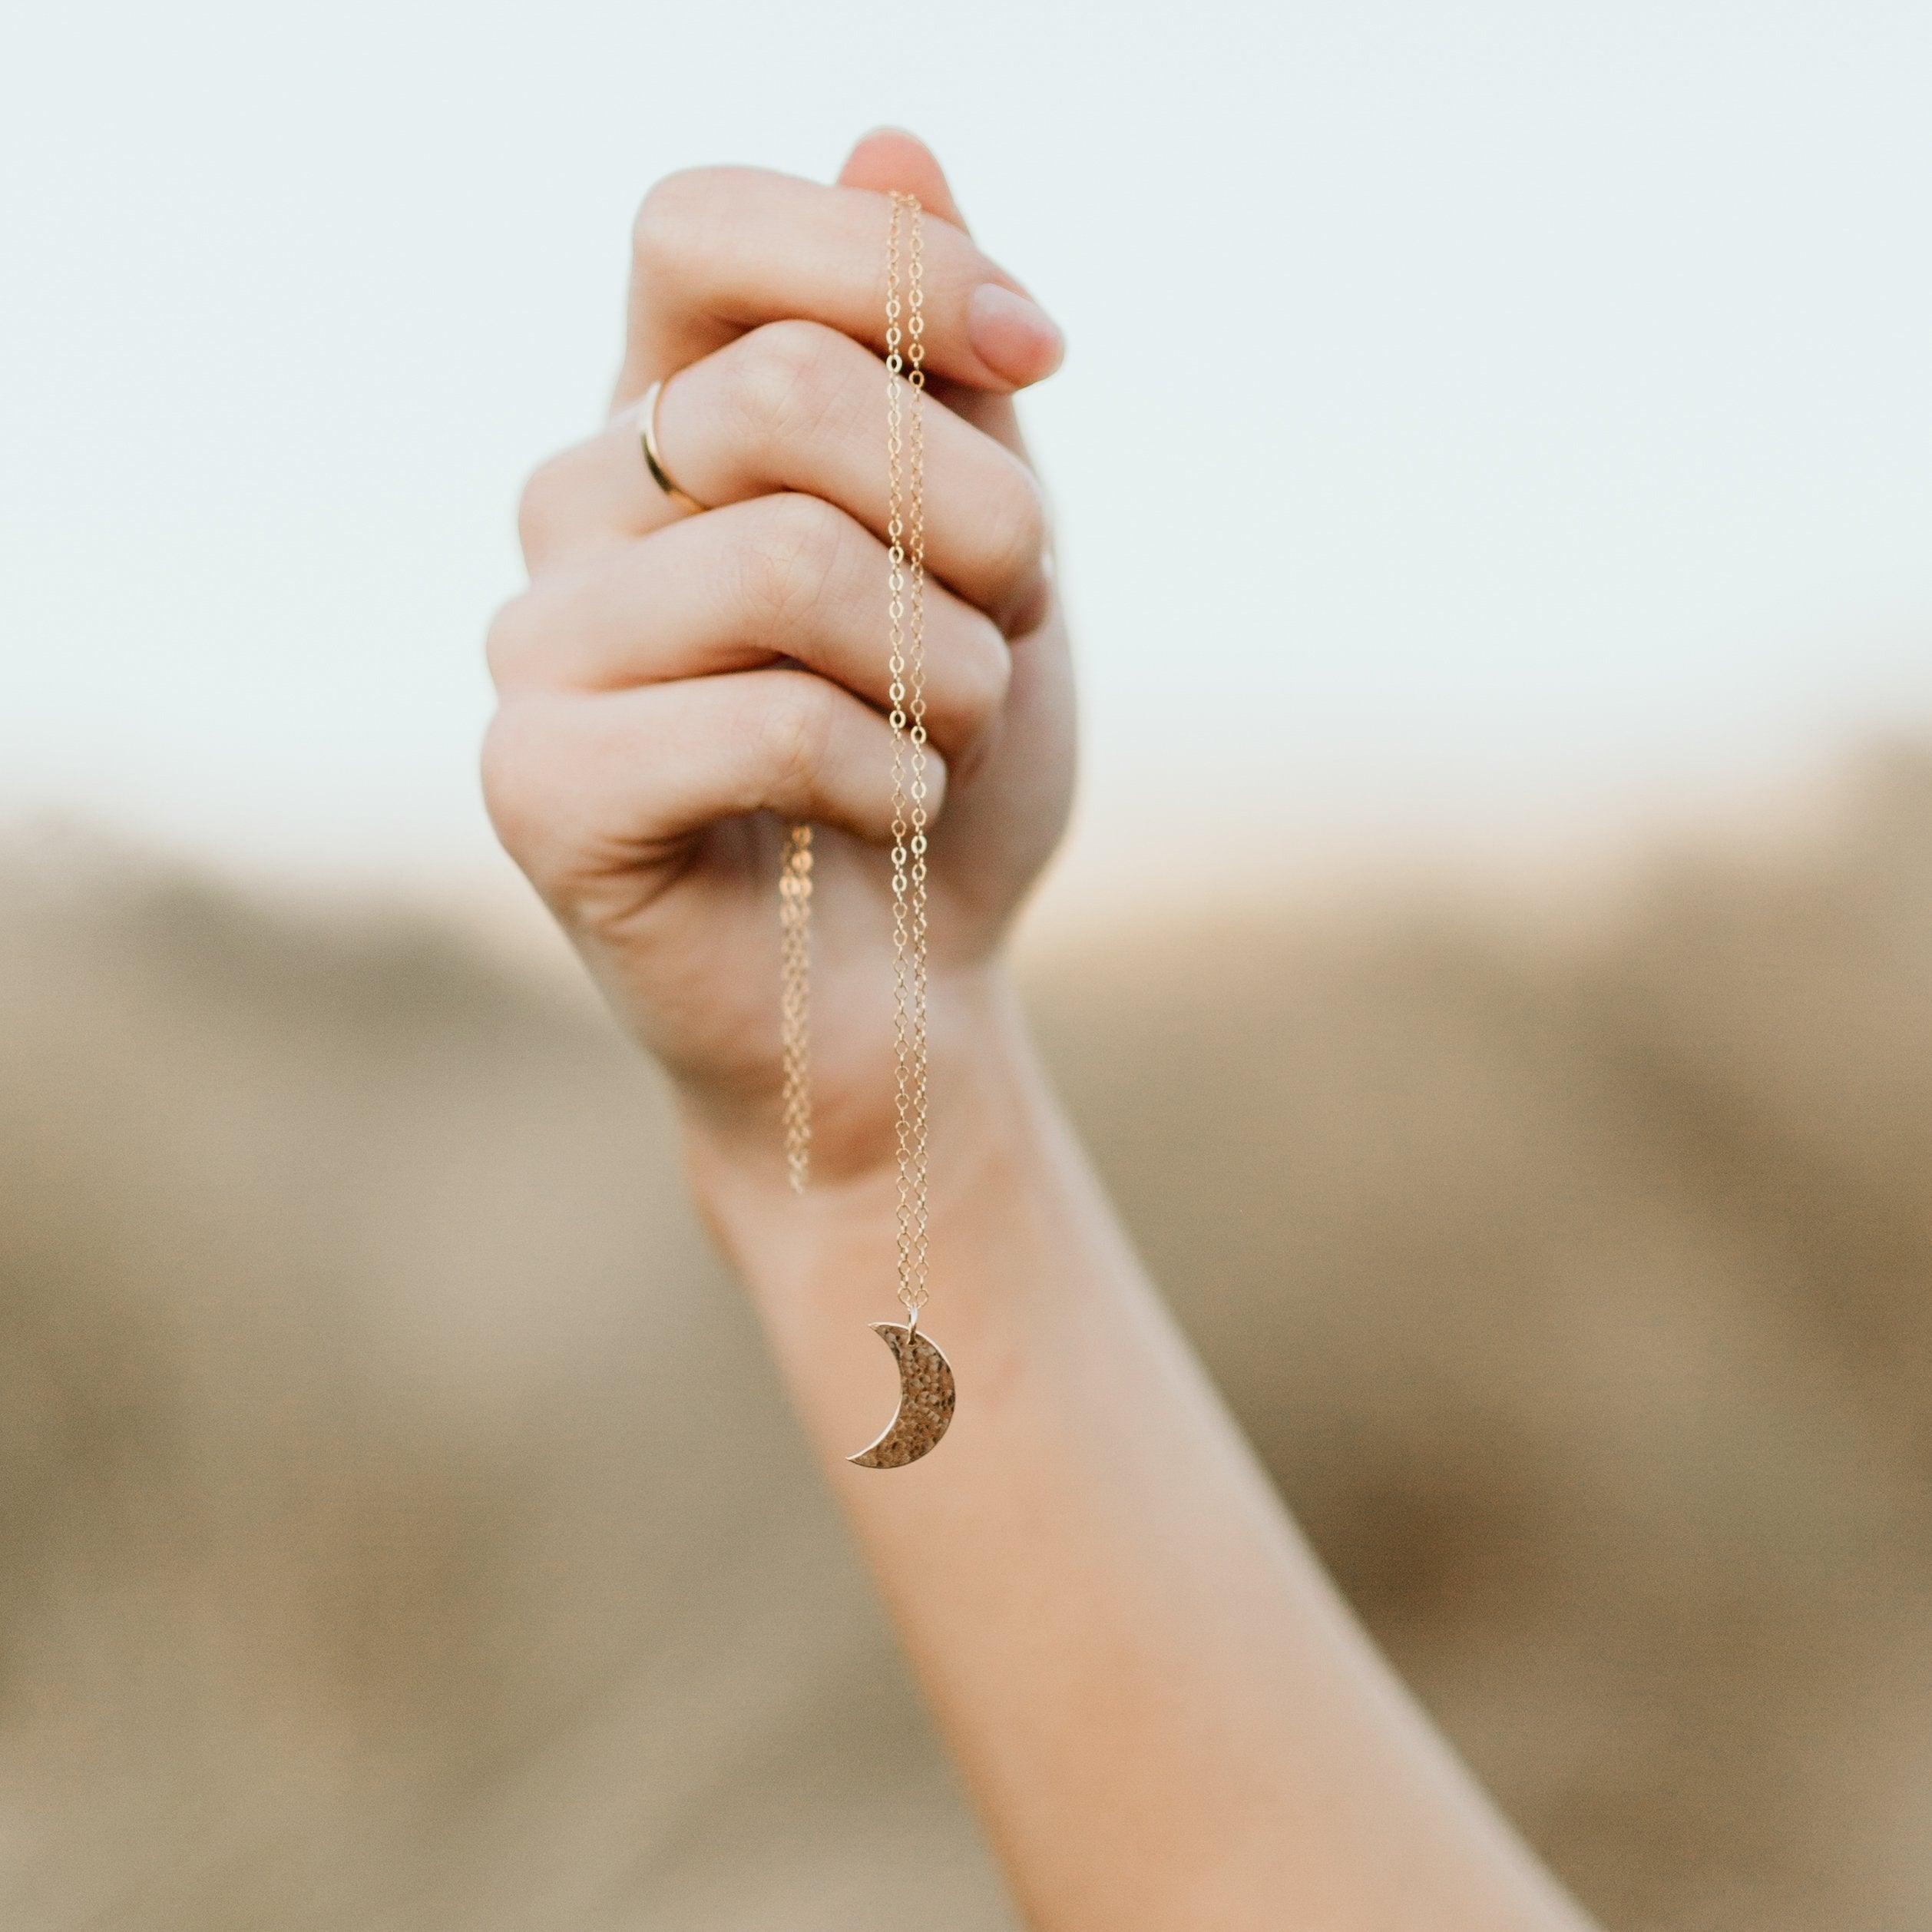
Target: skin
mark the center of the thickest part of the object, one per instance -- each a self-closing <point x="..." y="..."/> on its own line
<point x="1164" y="1713"/>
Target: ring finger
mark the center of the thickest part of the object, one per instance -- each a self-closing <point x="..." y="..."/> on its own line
<point x="797" y="406"/>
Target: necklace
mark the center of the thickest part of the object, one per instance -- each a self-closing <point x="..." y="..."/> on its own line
<point x="925" y="1377"/>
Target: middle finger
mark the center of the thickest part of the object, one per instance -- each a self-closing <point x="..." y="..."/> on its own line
<point x="751" y="585"/>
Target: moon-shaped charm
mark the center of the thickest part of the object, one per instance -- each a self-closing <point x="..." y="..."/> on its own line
<point x="925" y="1399"/>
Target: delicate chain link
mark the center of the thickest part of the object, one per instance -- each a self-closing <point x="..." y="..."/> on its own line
<point x="795" y="999"/>
<point x="912" y="1279"/>
<point x="906" y="609"/>
<point x="905" y="532"/>
<point x="896" y="670"/>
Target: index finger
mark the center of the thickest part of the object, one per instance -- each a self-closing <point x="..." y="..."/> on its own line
<point x="717" y="252"/>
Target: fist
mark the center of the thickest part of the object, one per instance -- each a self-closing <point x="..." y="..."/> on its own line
<point x="673" y="687"/>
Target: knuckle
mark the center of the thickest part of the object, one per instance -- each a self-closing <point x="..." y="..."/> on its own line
<point x="543" y="510"/>
<point x="787" y="381"/>
<point x="792" y="559"/>
<point x="507" y="645"/>
<point x="671" y="217"/>
<point x="511" y="760"/>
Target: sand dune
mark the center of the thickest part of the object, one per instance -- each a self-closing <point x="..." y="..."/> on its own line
<point x="357" y="1569"/>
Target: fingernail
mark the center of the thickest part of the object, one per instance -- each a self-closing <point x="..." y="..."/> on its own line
<point x="1012" y="335"/>
<point x="1027" y="610"/>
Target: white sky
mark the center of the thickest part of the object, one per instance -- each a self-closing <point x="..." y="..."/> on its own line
<point x="1482" y="421"/>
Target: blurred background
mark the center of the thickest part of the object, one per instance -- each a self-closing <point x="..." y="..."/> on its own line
<point x="1493" y="960"/>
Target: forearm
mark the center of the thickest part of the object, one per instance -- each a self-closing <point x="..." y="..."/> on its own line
<point x="1164" y="1713"/>
<point x="1167" y="1718"/>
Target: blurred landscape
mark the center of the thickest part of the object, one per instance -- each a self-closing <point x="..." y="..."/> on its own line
<point x="398" y="1528"/>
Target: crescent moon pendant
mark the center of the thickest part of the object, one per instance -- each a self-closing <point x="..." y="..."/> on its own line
<point x="925" y="1399"/>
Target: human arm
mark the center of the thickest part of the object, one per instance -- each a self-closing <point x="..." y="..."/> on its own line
<point x="1165" y="1714"/>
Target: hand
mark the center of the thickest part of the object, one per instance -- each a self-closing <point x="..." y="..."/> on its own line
<point x="673" y="687"/>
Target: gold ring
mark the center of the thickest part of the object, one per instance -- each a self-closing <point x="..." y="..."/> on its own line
<point x="647" y="434"/>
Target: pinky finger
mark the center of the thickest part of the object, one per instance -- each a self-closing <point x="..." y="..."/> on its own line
<point x="587" y="789"/>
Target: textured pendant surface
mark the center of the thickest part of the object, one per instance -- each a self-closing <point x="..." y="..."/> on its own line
<point x="925" y="1399"/>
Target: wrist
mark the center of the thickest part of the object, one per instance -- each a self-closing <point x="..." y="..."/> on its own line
<point x="984" y="1085"/>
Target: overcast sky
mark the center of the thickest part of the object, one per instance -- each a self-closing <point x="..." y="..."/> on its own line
<point x="1482" y="421"/>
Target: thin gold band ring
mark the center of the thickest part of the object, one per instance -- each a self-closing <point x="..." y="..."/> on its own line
<point x="647" y="436"/>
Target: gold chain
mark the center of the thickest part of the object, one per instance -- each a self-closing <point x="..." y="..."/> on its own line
<point x="905" y="534"/>
<point x="795" y="998"/>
